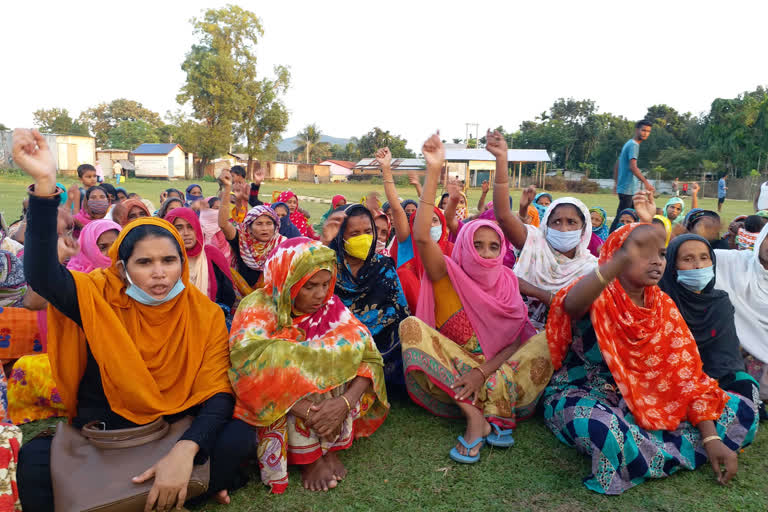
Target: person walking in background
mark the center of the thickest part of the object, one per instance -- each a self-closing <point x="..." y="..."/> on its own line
<point x="626" y="175"/>
<point x="99" y="173"/>
<point x="721" y="192"/>
<point x="676" y="187"/>
<point x="117" y="170"/>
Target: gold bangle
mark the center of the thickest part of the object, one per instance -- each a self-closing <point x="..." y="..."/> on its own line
<point x="349" y="407"/>
<point x="427" y="202"/>
<point x="309" y="409"/>
<point x="600" y="277"/>
<point x="710" y="438"/>
<point x="388" y="181"/>
<point x="485" y="377"/>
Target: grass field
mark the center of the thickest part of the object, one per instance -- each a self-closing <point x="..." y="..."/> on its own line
<point x="13" y="190"/>
<point x="405" y="465"/>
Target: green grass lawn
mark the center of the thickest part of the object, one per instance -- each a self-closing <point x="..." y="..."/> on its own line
<point x="13" y="190"/>
<point x="405" y="465"/>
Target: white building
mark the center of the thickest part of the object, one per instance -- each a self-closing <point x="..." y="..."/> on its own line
<point x="160" y="161"/>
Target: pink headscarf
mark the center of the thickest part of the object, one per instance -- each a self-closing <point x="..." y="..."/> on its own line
<point x="213" y="255"/>
<point x="90" y="256"/>
<point x="488" y="290"/>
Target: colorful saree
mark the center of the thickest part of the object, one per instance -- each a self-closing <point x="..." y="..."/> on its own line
<point x="279" y="358"/>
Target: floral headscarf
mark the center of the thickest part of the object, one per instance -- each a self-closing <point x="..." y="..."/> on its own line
<point x="297" y="218"/>
<point x="254" y="253"/>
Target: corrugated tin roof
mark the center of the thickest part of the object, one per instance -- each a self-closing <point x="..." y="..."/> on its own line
<point x="155" y="149"/>
<point x="398" y="164"/>
<point x="513" y="155"/>
<point x="343" y="163"/>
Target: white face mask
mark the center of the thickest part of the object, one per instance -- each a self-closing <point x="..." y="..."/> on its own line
<point x="143" y="297"/>
<point x="563" y="241"/>
<point x="435" y="232"/>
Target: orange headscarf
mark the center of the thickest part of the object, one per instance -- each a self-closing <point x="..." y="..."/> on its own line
<point x="533" y="213"/>
<point x="649" y="350"/>
<point x="153" y="360"/>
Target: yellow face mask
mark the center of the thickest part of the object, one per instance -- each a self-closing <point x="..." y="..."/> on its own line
<point x="358" y="246"/>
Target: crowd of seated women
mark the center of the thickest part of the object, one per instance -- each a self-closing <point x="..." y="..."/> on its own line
<point x="644" y="348"/>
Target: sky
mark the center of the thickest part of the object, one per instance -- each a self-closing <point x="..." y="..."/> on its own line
<point x="410" y="67"/>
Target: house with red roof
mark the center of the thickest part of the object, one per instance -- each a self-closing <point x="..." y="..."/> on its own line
<point x="340" y="169"/>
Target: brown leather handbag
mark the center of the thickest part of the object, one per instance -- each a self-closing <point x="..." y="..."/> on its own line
<point x="92" y="468"/>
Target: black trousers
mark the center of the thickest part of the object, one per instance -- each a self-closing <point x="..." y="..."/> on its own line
<point x="235" y="443"/>
<point x="625" y="201"/>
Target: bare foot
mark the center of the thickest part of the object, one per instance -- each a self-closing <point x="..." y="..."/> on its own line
<point x="222" y="497"/>
<point x="318" y="476"/>
<point x="339" y="471"/>
<point x="477" y="426"/>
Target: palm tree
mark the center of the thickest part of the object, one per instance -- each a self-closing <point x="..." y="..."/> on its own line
<point x="309" y="142"/>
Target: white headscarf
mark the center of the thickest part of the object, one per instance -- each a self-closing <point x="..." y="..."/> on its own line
<point x="543" y="266"/>
<point x="741" y="274"/>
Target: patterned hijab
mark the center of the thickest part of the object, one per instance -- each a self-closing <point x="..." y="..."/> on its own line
<point x="279" y="357"/>
<point x="648" y="349"/>
<point x="254" y="253"/>
<point x="375" y="295"/>
<point x="602" y="230"/>
<point x="297" y="218"/>
<point x="13" y="284"/>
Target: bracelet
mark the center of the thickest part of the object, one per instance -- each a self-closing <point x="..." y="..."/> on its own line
<point x="485" y="377"/>
<point x="57" y="191"/>
<point x="600" y="277"/>
<point x="387" y="181"/>
<point x="309" y="409"/>
<point x="710" y="438"/>
<point x="349" y="407"/>
<point x="426" y="202"/>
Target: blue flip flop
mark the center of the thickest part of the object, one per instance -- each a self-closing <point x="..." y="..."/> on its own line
<point x="500" y="438"/>
<point x="466" y="459"/>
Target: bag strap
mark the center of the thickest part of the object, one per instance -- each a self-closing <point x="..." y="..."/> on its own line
<point x="126" y="437"/>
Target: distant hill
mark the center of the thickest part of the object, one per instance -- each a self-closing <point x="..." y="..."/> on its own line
<point x="291" y="143"/>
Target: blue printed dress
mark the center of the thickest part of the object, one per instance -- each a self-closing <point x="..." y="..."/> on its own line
<point x="584" y="409"/>
<point x="376" y="298"/>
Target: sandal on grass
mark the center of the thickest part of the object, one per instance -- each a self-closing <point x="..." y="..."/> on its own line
<point x="466" y="459"/>
<point x="500" y="438"/>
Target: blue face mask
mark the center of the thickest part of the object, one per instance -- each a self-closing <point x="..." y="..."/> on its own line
<point x="563" y="241"/>
<point x="696" y="279"/>
<point x="435" y="232"/>
<point x="143" y="297"/>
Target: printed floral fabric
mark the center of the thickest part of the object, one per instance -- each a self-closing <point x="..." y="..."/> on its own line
<point x="584" y="408"/>
<point x="279" y="358"/>
<point x="10" y="443"/>
<point x="433" y="362"/>
<point x="649" y="350"/>
<point x="32" y="393"/>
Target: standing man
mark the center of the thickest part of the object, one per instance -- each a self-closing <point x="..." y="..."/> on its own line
<point x="626" y="174"/>
<point x="676" y="187"/>
<point x="117" y="170"/>
<point x="721" y="191"/>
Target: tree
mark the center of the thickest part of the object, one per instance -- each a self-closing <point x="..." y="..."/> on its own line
<point x="57" y="120"/>
<point x="3" y="127"/>
<point x="219" y="67"/>
<point x="104" y="117"/>
<point x="309" y="144"/>
<point x="263" y="116"/>
<point x="130" y="134"/>
<point x="378" y="138"/>
<point x="350" y="152"/>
